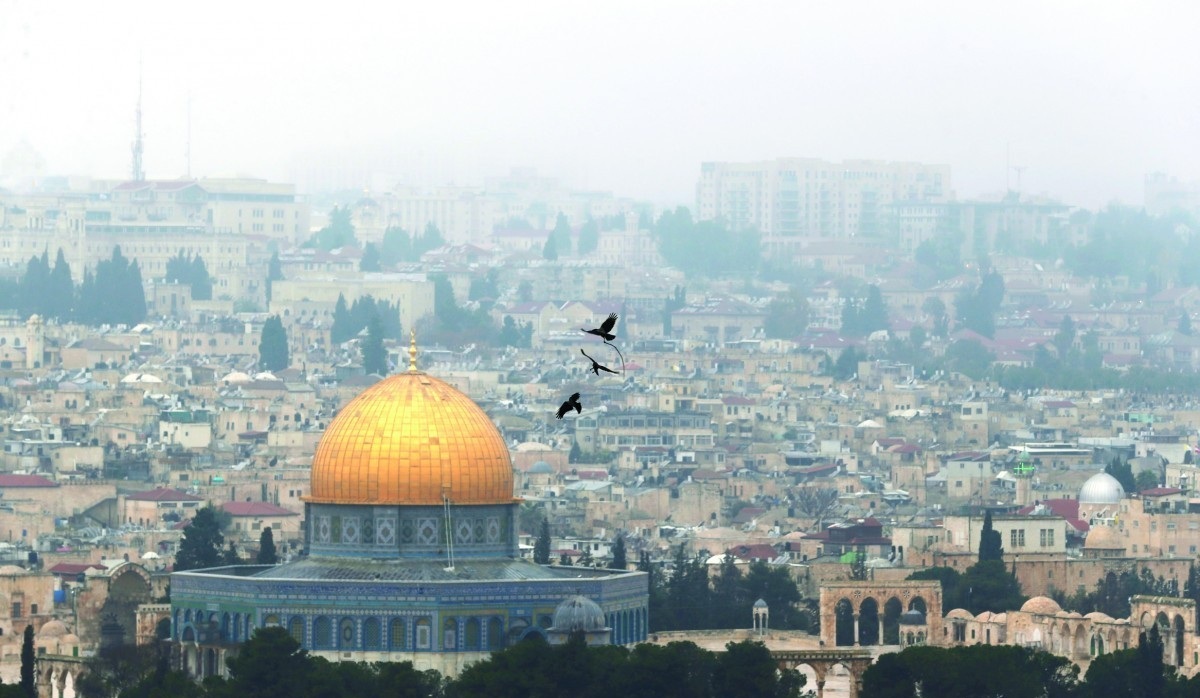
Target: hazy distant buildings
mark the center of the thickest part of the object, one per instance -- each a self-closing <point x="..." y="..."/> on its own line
<point x="470" y="214"/>
<point x="815" y="198"/>
<point x="1012" y="224"/>
<point x="1167" y="194"/>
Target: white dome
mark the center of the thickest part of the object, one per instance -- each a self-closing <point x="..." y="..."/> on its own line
<point x="1101" y="488"/>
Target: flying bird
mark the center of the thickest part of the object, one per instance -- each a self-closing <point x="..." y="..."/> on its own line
<point x="605" y="330"/>
<point x="570" y="404"/>
<point x="596" y="366"/>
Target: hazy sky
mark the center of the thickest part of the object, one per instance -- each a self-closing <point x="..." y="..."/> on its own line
<point x="624" y="96"/>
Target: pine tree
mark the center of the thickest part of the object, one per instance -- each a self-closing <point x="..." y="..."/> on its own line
<point x="273" y="354"/>
<point x="575" y="454"/>
<point x="133" y="290"/>
<point x="266" y="548"/>
<point x="28" y="664"/>
<point x="202" y="543"/>
<point x="541" y="548"/>
<point x="550" y="249"/>
<point x="618" y="561"/>
<point x="373" y="353"/>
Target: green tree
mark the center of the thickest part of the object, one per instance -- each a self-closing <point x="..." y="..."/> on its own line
<point x="541" y="547"/>
<point x="1064" y="339"/>
<point x="397" y="247"/>
<point x="28" y="664"/>
<point x="510" y="335"/>
<point x="787" y="316"/>
<point x="973" y="670"/>
<point x="266" y="548"/>
<point x="1185" y="323"/>
<point x="274" y="273"/>
<point x="431" y="239"/>
<point x="202" y="542"/>
<point x="874" y="315"/>
<point x="273" y="353"/>
<point x="550" y="249"/>
<point x="846" y="366"/>
<point x="61" y="289"/>
<point x="589" y="237"/>
<point x="990" y="586"/>
<point x="575" y="454"/>
<point x="618" y="561"/>
<point x="370" y="260"/>
<point x="935" y="309"/>
<point x="969" y="357"/>
<point x="1145" y="480"/>
<point x="338" y="233"/>
<point x="525" y="291"/>
<point x="953" y="593"/>
<point x="858" y="568"/>
<point x="373" y="353"/>
<point x="562" y="234"/>
<point x="990" y="547"/>
<point x="271" y="664"/>
<point x="1123" y="473"/>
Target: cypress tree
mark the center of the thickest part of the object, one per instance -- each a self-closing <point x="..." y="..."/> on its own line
<point x="541" y="549"/>
<point x="373" y="353"/>
<point x="28" y="661"/>
<point x="62" y="289"/>
<point x="266" y="548"/>
<point x="273" y="352"/>
<point x="990" y="546"/>
<point x="618" y="561"/>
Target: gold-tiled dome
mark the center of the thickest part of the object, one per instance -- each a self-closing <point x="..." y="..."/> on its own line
<point x="410" y="439"/>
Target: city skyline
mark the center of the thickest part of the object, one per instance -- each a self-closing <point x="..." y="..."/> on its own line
<point x="630" y="100"/>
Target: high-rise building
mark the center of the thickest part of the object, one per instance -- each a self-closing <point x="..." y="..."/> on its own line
<point x="814" y="198"/>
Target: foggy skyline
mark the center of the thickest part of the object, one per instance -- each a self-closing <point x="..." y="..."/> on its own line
<point x="626" y="97"/>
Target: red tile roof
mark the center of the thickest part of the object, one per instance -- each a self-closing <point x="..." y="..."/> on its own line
<point x="163" y="494"/>
<point x="255" y="509"/>
<point x="1160" y="491"/>
<point x="73" y="569"/>
<point x="1064" y="509"/>
<point x="8" y="480"/>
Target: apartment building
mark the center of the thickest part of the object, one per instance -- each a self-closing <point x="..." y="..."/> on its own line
<point x="808" y="197"/>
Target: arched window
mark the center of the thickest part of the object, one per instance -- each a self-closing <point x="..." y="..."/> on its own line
<point x="322" y="633"/>
<point x="450" y="634"/>
<point x="271" y="620"/>
<point x="296" y="629"/>
<point x="424" y="634"/>
<point x="471" y="635"/>
<point x="397" y="637"/>
<point x="346" y="634"/>
<point x="495" y="634"/>
<point x="371" y="634"/>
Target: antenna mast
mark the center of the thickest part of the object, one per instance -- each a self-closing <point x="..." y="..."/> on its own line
<point x="139" y="174"/>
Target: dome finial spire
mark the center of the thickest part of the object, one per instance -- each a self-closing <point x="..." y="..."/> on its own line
<point x="412" y="350"/>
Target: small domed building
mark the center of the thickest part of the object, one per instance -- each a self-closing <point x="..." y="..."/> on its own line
<point x="579" y="614"/>
<point x="1099" y="498"/>
<point x="411" y="549"/>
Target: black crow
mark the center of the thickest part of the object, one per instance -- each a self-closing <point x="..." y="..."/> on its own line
<point x="571" y="404"/>
<point x="596" y="366"/>
<point x="605" y="330"/>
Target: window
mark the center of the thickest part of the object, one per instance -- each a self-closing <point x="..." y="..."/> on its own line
<point x="16" y="609"/>
<point x="33" y="606"/>
<point x="296" y="629"/>
<point x="1016" y="538"/>
<point x="1047" y="537"/>
<point x="397" y="637"/>
<point x="424" y="633"/>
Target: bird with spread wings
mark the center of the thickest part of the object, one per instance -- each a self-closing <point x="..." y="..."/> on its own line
<point x="597" y="367"/>
<point x="605" y="330"/>
<point x="572" y="403"/>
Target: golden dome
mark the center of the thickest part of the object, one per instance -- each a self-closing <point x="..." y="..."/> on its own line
<point x="410" y="439"/>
